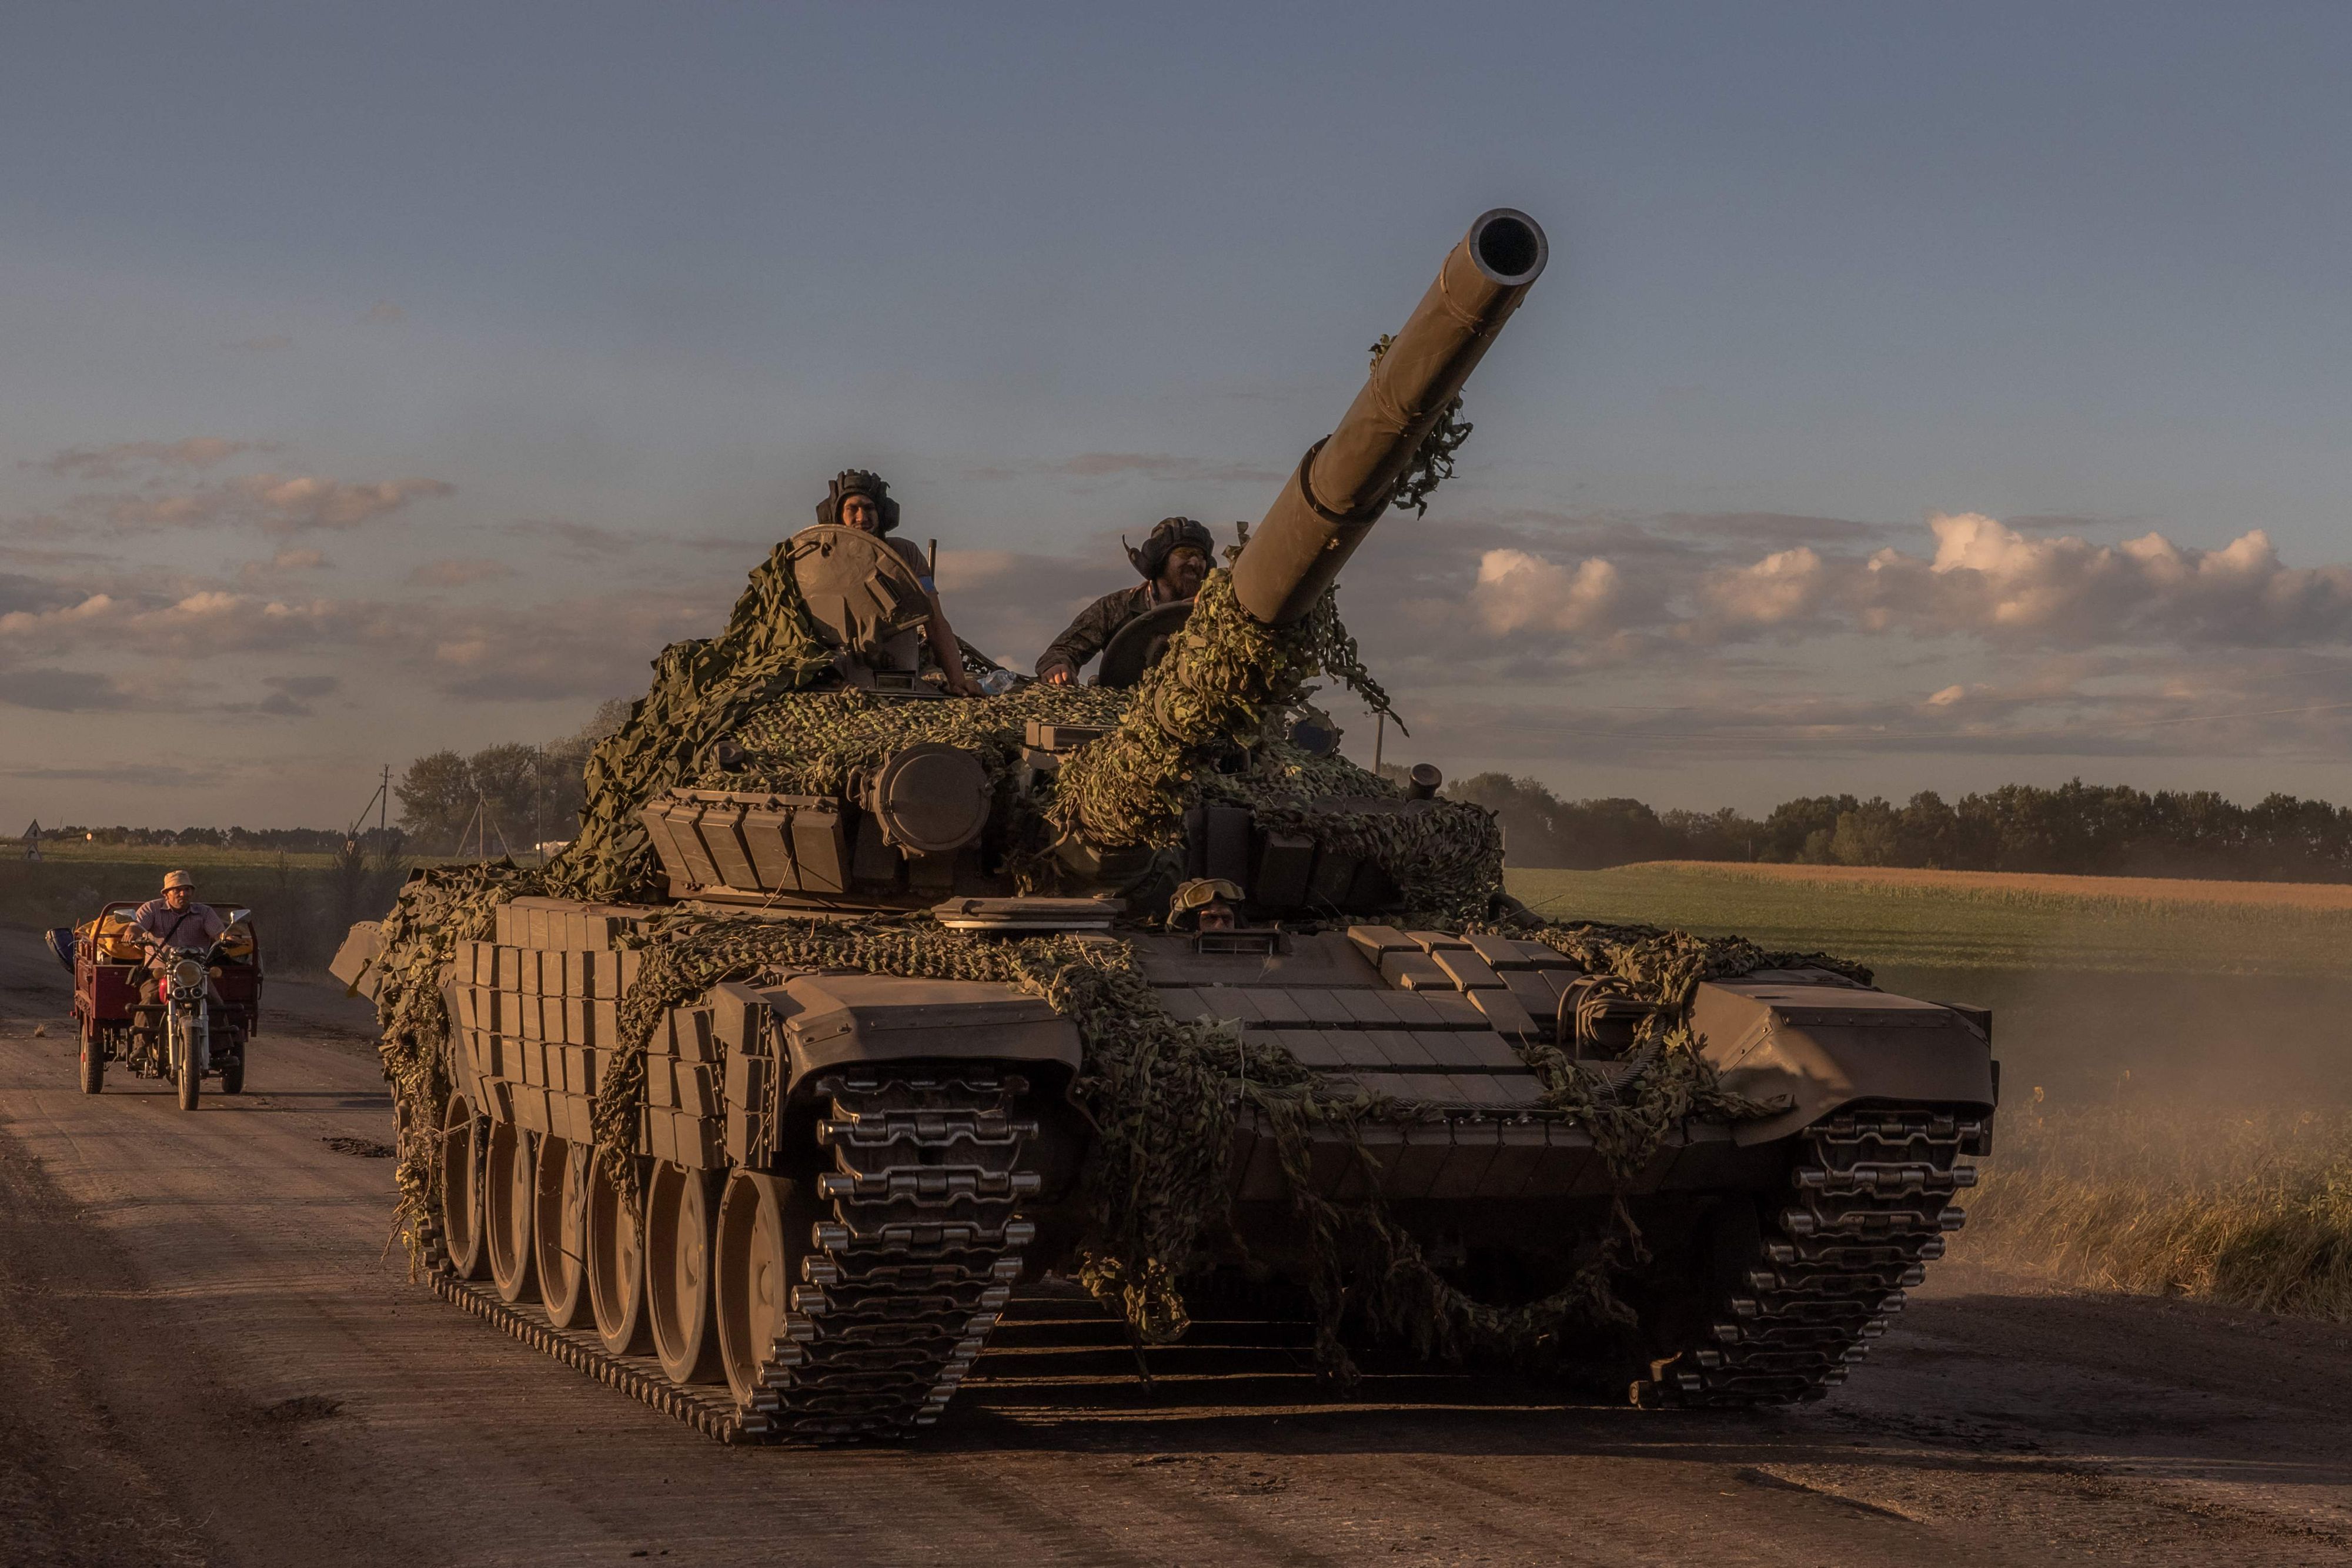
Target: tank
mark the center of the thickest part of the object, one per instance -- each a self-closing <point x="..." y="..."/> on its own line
<point x="856" y="1008"/>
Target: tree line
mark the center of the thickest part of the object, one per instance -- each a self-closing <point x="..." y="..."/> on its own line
<point x="282" y="840"/>
<point x="503" y="798"/>
<point x="2087" y="829"/>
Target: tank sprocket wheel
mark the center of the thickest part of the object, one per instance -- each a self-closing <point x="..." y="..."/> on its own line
<point x="464" y="1136"/>
<point x="559" y="1228"/>
<point x="912" y="1248"/>
<point x="508" y="1183"/>
<point x="1800" y="1292"/>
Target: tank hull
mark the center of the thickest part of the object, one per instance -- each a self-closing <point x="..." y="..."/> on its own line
<point x="911" y="1149"/>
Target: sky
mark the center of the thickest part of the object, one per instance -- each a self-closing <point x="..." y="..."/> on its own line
<point x="1918" y="397"/>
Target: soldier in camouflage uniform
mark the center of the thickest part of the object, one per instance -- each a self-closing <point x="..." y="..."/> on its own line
<point x="1172" y="562"/>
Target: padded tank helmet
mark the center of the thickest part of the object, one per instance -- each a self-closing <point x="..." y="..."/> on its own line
<point x="1170" y="535"/>
<point x="858" y="481"/>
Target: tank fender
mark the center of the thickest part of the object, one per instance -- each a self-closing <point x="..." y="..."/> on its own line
<point x="1823" y="1047"/>
<point x="841" y="1020"/>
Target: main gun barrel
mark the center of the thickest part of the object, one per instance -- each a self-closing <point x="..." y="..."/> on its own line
<point x="1343" y="484"/>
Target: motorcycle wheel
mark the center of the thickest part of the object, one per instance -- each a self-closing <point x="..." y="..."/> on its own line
<point x="232" y="1073"/>
<point x="93" y="1059"/>
<point x="191" y="1076"/>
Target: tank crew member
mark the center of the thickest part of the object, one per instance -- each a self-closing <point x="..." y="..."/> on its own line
<point x="861" y="500"/>
<point x="1174" y="561"/>
<point x="175" y="920"/>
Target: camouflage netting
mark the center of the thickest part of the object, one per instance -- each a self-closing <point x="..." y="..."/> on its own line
<point x="1446" y="857"/>
<point x="437" y="910"/>
<point x="813" y="743"/>
<point x="702" y="690"/>
<point x="1654" y="965"/>
<point x="1164" y="1096"/>
<point x="1228" y="682"/>
<point x="1432" y="462"/>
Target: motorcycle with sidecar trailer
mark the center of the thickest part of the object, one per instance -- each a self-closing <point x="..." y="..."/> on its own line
<point x="205" y="1011"/>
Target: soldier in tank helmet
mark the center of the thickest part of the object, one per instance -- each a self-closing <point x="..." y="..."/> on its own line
<point x="1174" y="561"/>
<point x="861" y="500"/>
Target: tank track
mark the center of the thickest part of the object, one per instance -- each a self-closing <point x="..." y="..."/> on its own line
<point x="903" y="1283"/>
<point x="1874" y="1192"/>
<point x="899" y="1287"/>
<point x="709" y="1411"/>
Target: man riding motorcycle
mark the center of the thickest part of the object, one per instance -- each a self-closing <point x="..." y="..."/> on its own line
<point x="175" y="920"/>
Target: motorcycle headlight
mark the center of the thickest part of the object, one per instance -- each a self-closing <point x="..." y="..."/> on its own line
<point x="189" y="973"/>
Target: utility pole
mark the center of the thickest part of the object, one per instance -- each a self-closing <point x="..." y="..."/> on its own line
<point x="383" y="803"/>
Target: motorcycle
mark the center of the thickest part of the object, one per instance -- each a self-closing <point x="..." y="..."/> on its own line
<point x="206" y="1010"/>
<point x="185" y="992"/>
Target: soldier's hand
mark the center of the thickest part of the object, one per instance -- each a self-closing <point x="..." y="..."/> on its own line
<point x="1059" y="676"/>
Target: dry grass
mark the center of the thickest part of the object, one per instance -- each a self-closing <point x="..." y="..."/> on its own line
<point x="2130" y="890"/>
<point x="2251" y="1209"/>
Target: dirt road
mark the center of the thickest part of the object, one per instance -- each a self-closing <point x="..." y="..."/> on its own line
<point x="206" y="1357"/>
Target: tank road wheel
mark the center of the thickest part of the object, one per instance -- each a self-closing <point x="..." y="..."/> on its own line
<point x="616" y="1262"/>
<point x="560" y="1229"/>
<point x="762" y="1236"/>
<point x="507" y="1181"/>
<point x="462" y="1138"/>
<point x="679" y="1215"/>
<point x="93" y="1058"/>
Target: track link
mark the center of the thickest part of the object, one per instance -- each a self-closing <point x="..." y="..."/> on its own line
<point x="1872" y="1201"/>
<point x="902" y="1282"/>
<point x="707" y="1410"/>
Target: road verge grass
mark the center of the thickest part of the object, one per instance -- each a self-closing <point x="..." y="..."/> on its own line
<point x="2197" y="1141"/>
<point x="2249" y="1209"/>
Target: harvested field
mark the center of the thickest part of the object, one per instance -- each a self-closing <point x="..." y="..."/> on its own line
<point x="2150" y="889"/>
<point x="1975" y="920"/>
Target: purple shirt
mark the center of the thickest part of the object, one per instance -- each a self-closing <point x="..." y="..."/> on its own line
<point x="198" y="925"/>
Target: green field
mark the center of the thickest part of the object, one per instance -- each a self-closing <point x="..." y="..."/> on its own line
<point x="301" y="905"/>
<point x="1980" y="927"/>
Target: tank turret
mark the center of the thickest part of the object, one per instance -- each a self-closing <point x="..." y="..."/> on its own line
<point x="813" y="797"/>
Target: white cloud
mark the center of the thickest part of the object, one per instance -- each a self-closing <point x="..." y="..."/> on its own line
<point x="1518" y="590"/>
<point x="1989" y="580"/>
<point x="1782" y="587"/>
<point x="287" y="502"/>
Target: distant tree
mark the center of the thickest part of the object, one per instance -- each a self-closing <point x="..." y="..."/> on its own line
<point x="436" y="797"/>
<point x="507" y="780"/>
<point x="610" y="716"/>
<point x="1866" y="835"/>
